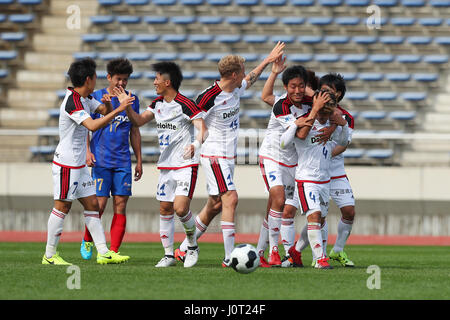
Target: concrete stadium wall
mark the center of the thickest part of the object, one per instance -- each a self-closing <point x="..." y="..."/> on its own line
<point x="389" y="201"/>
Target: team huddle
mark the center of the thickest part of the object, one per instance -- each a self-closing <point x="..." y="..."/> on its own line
<point x="300" y="159"/>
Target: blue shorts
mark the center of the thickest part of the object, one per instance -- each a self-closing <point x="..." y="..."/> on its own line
<point x="112" y="181"/>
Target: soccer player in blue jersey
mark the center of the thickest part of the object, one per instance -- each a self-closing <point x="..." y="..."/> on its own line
<point x="110" y="159"/>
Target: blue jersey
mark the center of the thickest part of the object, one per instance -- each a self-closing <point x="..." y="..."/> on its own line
<point x="110" y="145"/>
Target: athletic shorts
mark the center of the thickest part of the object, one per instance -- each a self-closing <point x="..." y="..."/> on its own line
<point x="71" y="183"/>
<point x="341" y="192"/>
<point x="313" y="197"/>
<point x="275" y="174"/>
<point x="176" y="182"/>
<point x="219" y="173"/>
<point x="112" y="181"/>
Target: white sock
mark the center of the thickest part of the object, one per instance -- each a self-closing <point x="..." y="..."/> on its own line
<point x="287" y="232"/>
<point x="166" y="233"/>
<point x="54" y="230"/>
<point x="263" y="240"/>
<point x="324" y="231"/>
<point x="274" y="222"/>
<point x="344" y="229"/>
<point x="303" y="242"/>
<point x="188" y="222"/>
<point x="228" y="233"/>
<point x="200" y="228"/>
<point x="315" y="239"/>
<point x="95" y="227"/>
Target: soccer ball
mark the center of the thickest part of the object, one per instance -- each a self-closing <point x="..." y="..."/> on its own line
<point x="244" y="258"/>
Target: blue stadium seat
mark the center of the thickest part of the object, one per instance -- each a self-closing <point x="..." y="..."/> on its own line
<point x="292" y="20"/>
<point x="182" y="19"/>
<point x="137" y="2"/>
<point x="208" y="75"/>
<point x="431" y="21"/>
<point x="215" y="57"/>
<point x="258" y="114"/>
<point x="356" y="95"/>
<point x="13" y="36"/>
<point x="409" y="58"/>
<point x="21" y="18"/>
<point x="413" y="3"/>
<point x="4" y="73"/>
<point x="286" y="38"/>
<point x="29" y="2"/>
<point x="201" y="38"/>
<point x="255" y="38"/>
<point x="330" y="3"/>
<point x="380" y="153"/>
<point x="210" y="19"/>
<point x="237" y="19"/>
<point x="165" y="56"/>
<point x="250" y="57"/>
<point x="191" y="56"/>
<point x="354" y="57"/>
<point x="327" y="57"/>
<point x="337" y="39"/>
<point x="349" y="76"/>
<point x="442" y="40"/>
<point x="149" y="74"/>
<point x="353" y="153"/>
<point x="54" y="113"/>
<point x="385" y="3"/>
<point x="219" y="2"/>
<point x="320" y="20"/>
<point x="109" y="2"/>
<point x="191" y="94"/>
<point x="371" y="76"/>
<point x="264" y="20"/>
<point x="397" y="76"/>
<point x="164" y="2"/>
<point x="150" y="151"/>
<point x="436" y="59"/>
<point x="391" y="39"/>
<point x="42" y="150"/>
<point x="364" y="39"/>
<point x="146" y="37"/>
<point x="347" y="21"/>
<point x="189" y="74"/>
<point x="101" y="74"/>
<point x="191" y="2"/>
<point x="384" y="96"/>
<point x="6" y="1"/>
<point x="357" y="3"/>
<point x="414" y="96"/>
<point x="381" y="58"/>
<point x="300" y="57"/>
<point x="228" y="38"/>
<point x="102" y="19"/>
<point x="156" y="19"/>
<point x="138" y="56"/>
<point x="8" y="55"/>
<point x="174" y="37"/>
<point x="2" y="17"/>
<point x="402" y="21"/>
<point x="440" y="3"/>
<point x="149" y="94"/>
<point x="311" y="39"/>
<point x="373" y="115"/>
<point x="128" y="19"/>
<point x="274" y="3"/>
<point x="136" y="75"/>
<point x="246" y="2"/>
<point x="248" y="94"/>
<point x="119" y="37"/>
<point x="419" y="40"/>
<point x="305" y="3"/>
<point x="110" y="55"/>
<point x="403" y="115"/>
<point x="93" y="37"/>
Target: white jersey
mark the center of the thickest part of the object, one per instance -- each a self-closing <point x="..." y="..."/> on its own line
<point x="71" y="149"/>
<point x="175" y="130"/>
<point x="222" y="120"/>
<point x="314" y="159"/>
<point x="337" y="163"/>
<point x="284" y="113"/>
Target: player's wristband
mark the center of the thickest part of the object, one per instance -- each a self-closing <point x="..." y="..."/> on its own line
<point x="196" y="144"/>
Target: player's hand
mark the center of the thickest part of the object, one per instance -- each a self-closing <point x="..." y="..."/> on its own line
<point x="320" y="100"/>
<point x="106" y="98"/>
<point x="138" y="172"/>
<point x="125" y="103"/>
<point x="90" y="159"/>
<point x="189" y="152"/>
<point x="278" y="65"/>
<point x="120" y="93"/>
<point x="337" y="119"/>
<point x="309" y="91"/>
<point x="325" y="134"/>
<point x="304" y="122"/>
<point x="277" y="52"/>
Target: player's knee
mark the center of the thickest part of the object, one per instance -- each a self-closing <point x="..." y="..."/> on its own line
<point x="231" y="199"/>
<point x="120" y="204"/>
<point x="348" y="213"/>
<point x="289" y="212"/>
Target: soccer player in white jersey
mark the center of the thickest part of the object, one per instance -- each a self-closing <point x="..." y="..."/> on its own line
<point x="278" y="165"/>
<point x="313" y="171"/>
<point x="176" y="118"/>
<point x="340" y="188"/>
<point x="221" y="102"/>
<point x="71" y="177"/>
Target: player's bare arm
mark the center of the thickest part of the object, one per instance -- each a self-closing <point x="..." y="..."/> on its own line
<point x="106" y="107"/>
<point x="135" y="141"/>
<point x="338" y="150"/>
<point x="278" y="67"/>
<point x="277" y="52"/>
<point x="138" y="120"/>
<point x="202" y="134"/>
<point x="90" y="158"/>
<point x="325" y="134"/>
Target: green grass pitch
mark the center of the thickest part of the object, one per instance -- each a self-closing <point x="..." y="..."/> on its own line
<point x="411" y="272"/>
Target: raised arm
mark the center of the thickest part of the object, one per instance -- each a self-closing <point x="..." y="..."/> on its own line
<point x="277" y="52"/>
<point x="278" y="67"/>
<point x="106" y="107"/>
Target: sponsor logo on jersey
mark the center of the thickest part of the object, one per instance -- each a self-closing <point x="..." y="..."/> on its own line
<point x="316" y="139"/>
<point x="166" y="126"/>
<point x="121" y="118"/>
<point x="231" y="113"/>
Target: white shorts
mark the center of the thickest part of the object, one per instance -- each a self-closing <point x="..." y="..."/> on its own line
<point x="219" y="173"/>
<point x="313" y="197"/>
<point x="179" y="182"/>
<point x="72" y="183"/>
<point x="341" y="192"/>
<point x="276" y="174"/>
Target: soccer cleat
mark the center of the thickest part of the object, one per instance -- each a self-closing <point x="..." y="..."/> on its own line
<point x="342" y="258"/>
<point x="191" y="257"/>
<point x="166" y="261"/>
<point x="287" y="262"/>
<point x="322" y="264"/>
<point x="111" y="257"/>
<point x="180" y="255"/>
<point x="274" y="258"/>
<point x="86" y="249"/>
<point x="56" y="260"/>
<point x="296" y="257"/>
<point x="226" y="263"/>
<point x="263" y="262"/>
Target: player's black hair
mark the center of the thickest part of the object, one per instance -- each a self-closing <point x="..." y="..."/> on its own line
<point x="294" y="72"/>
<point x="313" y="80"/>
<point x="81" y="69"/>
<point x="172" y="70"/>
<point x="119" y="66"/>
<point x="334" y="80"/>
